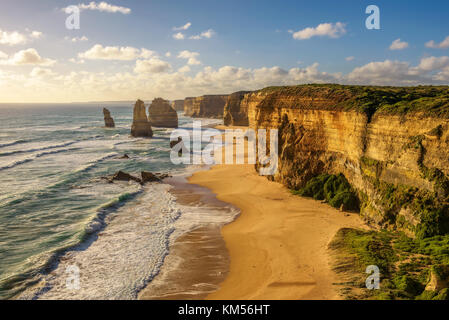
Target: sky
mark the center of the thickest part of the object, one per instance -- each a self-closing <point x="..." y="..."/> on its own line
<point x="129" y="49"/>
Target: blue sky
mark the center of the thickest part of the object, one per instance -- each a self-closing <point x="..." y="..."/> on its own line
<point x="245" y="45"/>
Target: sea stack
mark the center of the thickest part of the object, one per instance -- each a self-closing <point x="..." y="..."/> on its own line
<point x="161" y="114"/>
<point x="108" y="121"/>
<point x="178" y="105"/>
<point x="141" y="126"/>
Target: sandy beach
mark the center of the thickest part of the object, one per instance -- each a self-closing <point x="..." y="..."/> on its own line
<point x="278" y="244"/>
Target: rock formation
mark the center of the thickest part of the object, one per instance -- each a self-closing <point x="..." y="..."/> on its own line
<point x="108" y="121"/>
<point x="391" y="144"/>
<point x="210" y="106"/>
<point x="235" y="111"/>
<point x="178" y="105"/>
<point x="161" y="114"/>
<point x="141" y="126"/>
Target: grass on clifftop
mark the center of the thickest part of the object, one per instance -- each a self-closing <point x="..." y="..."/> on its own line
<point x="430" y="100"/>
<point x="335" y="189"/>
<point x="405" y="264"/>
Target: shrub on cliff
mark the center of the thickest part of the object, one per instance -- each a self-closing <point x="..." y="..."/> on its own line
<point x="335" y="189"/>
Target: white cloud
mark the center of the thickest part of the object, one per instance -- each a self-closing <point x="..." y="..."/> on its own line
<point x="103" y="7"/>
<point x="12" y="38"/>
<point x="3" y="55"/>
<point x="39" y="72"/>
<point x="351" y="58"/>
<point x="179" y="36"/>
<point x="184" y="69"/>
<point x="98" y="52"/>
<point x="27" y="57"/>
<point x="398" y="45"/>
<point x="204" y="35"/>
<point x="190" y="56"/>
<point x="79" y="39"/>
<point x="168" y="54"/>
<point x="323" y="30"/>
<point x="153" y="65"/>
<point x="442" y="45"/>
<point x="184" y="27"/>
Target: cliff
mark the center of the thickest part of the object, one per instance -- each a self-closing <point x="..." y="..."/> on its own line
<point x="391" y="144"/>
<point x="236" y="109"/>
<point x="141" y="126"/>
<point x="178" y="105"/>
<point x="108" y="121"/>
<point x="161" y="114"/>
<point x="210" y="106"/>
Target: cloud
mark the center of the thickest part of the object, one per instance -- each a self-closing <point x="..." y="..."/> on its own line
<point x="204" y="35"/>
<point x="323" y="30"/>
<point x="153" y="65"/>
<point x="179" y="36"/>
<point x="184" y="69"/>
<point x="27" y="57"/>
<point x="39" y="72"/>
<point x="102" y="7"/>
<point x="190" y="56"/>
<point x="349" y="58"/>
<point x="184" y="27"/>
<point x="442" y="45"/>
<point x="79" y="39"/>
<point x="12" y="38"/>
<point x="168" y="54"/>
<point x="98" y="52"/>
<point x="398" y="45"/>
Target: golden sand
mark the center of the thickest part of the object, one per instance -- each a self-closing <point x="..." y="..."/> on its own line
<point x="278" y="245"/>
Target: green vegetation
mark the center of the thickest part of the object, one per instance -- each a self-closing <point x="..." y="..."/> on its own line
<point x="430" y="100"/>
<point x="335" y="189"/>
<point x="405" y="264"/>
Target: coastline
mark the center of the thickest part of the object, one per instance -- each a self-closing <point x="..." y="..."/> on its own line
<point x="278" y="243"/>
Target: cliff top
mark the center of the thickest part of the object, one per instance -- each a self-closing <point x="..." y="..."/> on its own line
<point x="430" y="100"/>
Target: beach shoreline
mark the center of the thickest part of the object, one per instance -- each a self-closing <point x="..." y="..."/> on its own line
<point x="278" y="243"/>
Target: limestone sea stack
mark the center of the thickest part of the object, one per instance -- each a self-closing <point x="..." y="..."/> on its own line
<point x="161" y="114"/>
<point x="178" y="105"/>
<point x="108" y="121"/>
<point x="141" y="126"/>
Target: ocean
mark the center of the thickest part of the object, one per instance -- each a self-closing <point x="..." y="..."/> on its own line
<point x="58" y="212"/>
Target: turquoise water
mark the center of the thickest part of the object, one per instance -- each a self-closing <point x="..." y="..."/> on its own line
<point x="52" y="163"/>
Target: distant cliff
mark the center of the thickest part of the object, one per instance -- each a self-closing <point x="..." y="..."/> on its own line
<point x="391" y="144"/>
<point x="210" y="106"/>
<point x="178" y="105"/>
<point x="161" y="114"/>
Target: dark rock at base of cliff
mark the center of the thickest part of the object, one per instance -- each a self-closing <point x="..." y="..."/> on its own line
<point x="108" y="121"/>
<point x="161" y="114"/>
<point x="141" y="126"/>
<point x="125" y="156"/>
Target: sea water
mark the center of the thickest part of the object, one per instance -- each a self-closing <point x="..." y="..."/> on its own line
<point x="58" y="210"/>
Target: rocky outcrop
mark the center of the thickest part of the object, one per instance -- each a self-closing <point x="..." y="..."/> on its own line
<point x="141" y="126"/>
<point x="178" y="105"/>
<point x="391" y="144"/>
<point x="161" y="114"/>
<point x="108" y="121"/>
<point x="210" y="106"/>
<point x="235" y="110"/>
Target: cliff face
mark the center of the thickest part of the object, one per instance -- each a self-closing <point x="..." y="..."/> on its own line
<point x="236" y="109"/>
<point x="178" y="105"/>
<point x="393" y="152"/>
<point x="141" y="126"/>
<point x="108" y="121"/>
<point x="161" y="114"/>
<point x="210" y="106"/>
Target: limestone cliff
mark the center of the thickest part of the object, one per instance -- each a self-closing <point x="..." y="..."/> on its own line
<point x="141" y="126"/>
<point x="235" y="110"/>
<point x="392" y="145"/>
<point x="108" y="121"/>
<point x="178" y="105"/>
<point x="210" y="106"/>
<point x="161" y="114"/>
